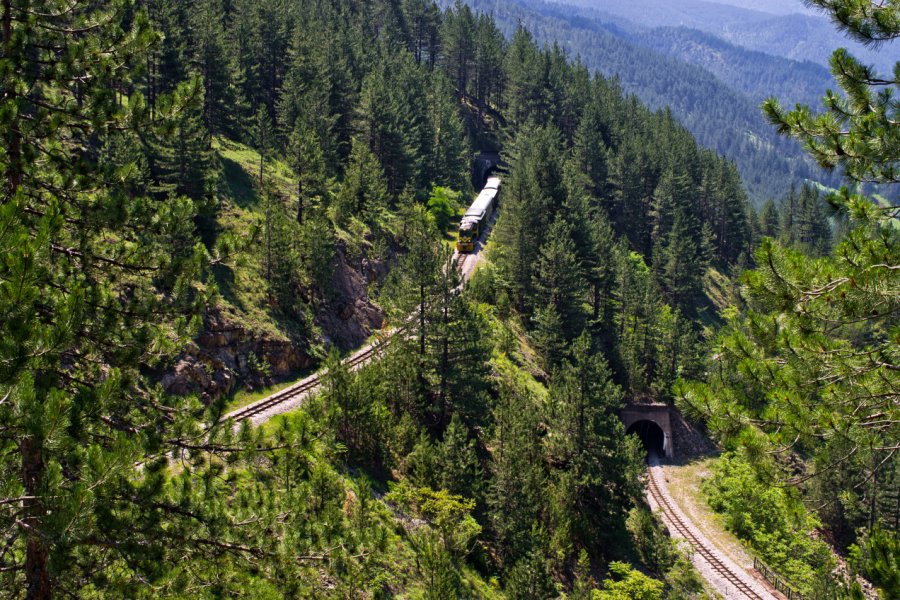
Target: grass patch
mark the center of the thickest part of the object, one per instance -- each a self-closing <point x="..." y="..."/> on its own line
<point x="684" y="483"/>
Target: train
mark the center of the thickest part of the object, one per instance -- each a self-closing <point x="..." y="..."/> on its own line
<point x="478" y="215"/>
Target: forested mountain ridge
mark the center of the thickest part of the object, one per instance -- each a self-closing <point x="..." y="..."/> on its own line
<point x="721" y="117"/>
<point x="756" y="75"/>
<point x="800" y="35"/>
<point x="167" y="163"/>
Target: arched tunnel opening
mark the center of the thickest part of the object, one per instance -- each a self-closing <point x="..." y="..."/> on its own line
<point x="651" y="435"/>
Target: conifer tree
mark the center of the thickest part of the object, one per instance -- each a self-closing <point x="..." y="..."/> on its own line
<point x="97" y="284"/>
<point x="211" y="60"/>
<point x="423" y="20"/>
<point x="459" y="470"/>
<point x="768" y="220"/>
<point x="364" y="192"/>
<point x="448" y="162"/>
<point x="459" y="45"/>
<point x="517" y="478"/>
<point x="488" y="56"/>
<point x="557" y="287"/>
<point x="586" y="444"/>
<point x="532" y="196"/>
<point x="810" y="367"/>
<point x="306" y="160"/>
<point x="525" y="77"/>
<point x="263" y="137"/>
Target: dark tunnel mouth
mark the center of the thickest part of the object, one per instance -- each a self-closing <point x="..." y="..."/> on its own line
<point x="651" y="434"/>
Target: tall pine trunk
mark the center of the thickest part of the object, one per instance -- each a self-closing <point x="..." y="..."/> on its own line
<point x="37" y="555"/>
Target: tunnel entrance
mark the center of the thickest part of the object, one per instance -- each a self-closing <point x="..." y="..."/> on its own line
<point x="651" y="435"/>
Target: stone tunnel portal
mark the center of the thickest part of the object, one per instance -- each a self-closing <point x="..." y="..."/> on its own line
<point x="653" y="424"/>
<point x="651" y="435"/>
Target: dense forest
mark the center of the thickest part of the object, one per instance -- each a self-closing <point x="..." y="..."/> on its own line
<point x="177" y="172"/>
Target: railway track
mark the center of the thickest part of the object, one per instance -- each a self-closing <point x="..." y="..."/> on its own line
<point x="708" y="554"/>
<point x="313" y="382"/>
<point x="300" y="389"/>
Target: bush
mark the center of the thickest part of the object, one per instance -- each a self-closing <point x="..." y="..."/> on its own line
<point x="770" y="519"/>
<point x="443" y="205"/>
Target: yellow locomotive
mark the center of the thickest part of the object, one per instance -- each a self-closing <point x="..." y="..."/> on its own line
<point x="478" y="215"/>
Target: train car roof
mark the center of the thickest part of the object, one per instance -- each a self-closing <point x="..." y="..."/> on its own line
<point x="493" y="183"/>
<point x="470" y="221"/>
<point x="482" y="203"/>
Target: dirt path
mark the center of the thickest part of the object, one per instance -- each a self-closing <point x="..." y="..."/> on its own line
<point x="724" y="575"/>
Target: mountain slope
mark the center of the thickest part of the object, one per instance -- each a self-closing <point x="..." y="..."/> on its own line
<point x="795" y="36"/>
<point x="754" y="74"/>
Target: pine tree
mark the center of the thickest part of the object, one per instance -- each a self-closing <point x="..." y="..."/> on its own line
<point x="679" y="262"/>
<point x="489" y="50"/>
<point x="423" y="22"/>
<point x="459" y="46"/>
<point x="448" y="163"/>
<point x="410" y="289"/>
<point x="586" y="444"/>
<point x="557" y="286"/>
<point x="211" y="60"/>
<point x="263" y="137"/>
<point x="859" y="129"/>
<point x="364" y="192"/>
<point x="97" y="284"/>
<point x="306" y="160"/>
<point x="532" y="196"/>
<point x="459" y="470"/>
<point x="768" y="220"/>
<point x="517" y="484"/>
<point x="524" y="69"/>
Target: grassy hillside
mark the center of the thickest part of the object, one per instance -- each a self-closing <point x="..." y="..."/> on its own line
<point x="241" y="274"/>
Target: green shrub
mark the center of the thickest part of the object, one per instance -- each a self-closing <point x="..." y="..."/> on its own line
<point x="771" y="519"/>
<point x="443" y="205"/>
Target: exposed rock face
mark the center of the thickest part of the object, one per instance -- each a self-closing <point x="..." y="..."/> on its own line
<point x="226" y="355"/>
<point x="689" y="440"/>
<point x="351" y="317"/>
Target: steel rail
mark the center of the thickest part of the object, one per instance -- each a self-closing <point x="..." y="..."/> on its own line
<point x="701" y="548"/>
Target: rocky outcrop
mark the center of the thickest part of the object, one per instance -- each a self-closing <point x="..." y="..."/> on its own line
<point x="350" y="316"/>
<point x="689" y="440"/>
<point x="226" y="355"/>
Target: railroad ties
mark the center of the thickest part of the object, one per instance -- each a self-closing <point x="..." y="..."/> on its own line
<point x="299" y="389"/>
<point x="711" y="557"/>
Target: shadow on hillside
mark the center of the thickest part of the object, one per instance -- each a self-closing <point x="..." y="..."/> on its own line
<point x="241" y="186"/>
<point x="225" y="280"/>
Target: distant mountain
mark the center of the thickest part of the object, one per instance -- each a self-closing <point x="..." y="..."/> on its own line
<point x="775" y="7"/>
<point x="755" y="74"/>
<point x="766" y="28"/>
<point x="697" y="14"/>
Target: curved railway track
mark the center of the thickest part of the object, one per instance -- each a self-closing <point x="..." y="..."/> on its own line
<point x="299" y="389"/>
<point x="311" y="383"/>
<point x="709" y="555"/>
